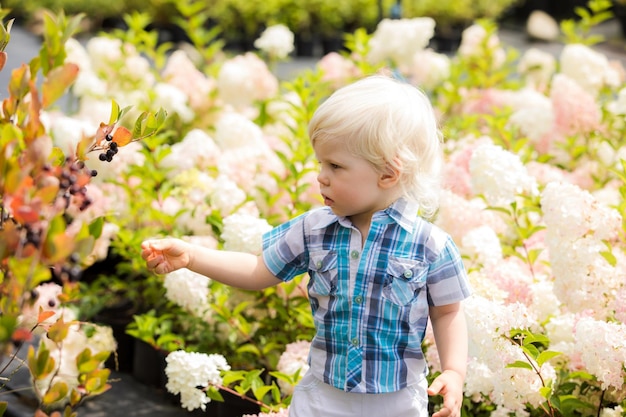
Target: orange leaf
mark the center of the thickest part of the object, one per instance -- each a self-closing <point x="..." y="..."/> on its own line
<point x="103" y="130"/>
<point x="57" y="81"/>
<point x="122" y="136"/>
<point x="3" y="59"/>
<point x="44" y="315"/>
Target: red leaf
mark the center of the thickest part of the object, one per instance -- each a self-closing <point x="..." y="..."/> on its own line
<point x="22" y="335"/>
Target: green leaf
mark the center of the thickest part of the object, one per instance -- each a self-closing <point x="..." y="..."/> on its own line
<point x="545" y="392"/>
<point x="260" y="392"/>
<point x="520" y="364"/>
<point x="214" y="394"/>
<point x="533" y="254"/>
<point x="97" y="381"/>
<point x="58" y="331"/>
<point x="115" y="113"/>
<point x="249" y="348"/>
<point x="545" y="356"/>
<point x="57" y="392"/>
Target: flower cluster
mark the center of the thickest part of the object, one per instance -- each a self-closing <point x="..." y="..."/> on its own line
<point x="189" y="373"/>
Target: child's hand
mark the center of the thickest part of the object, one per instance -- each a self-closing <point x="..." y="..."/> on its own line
<point x="165" y="255"/>
<point x="450" y="385"/>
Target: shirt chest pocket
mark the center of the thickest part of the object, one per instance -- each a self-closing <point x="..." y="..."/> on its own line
<point x="323" y="273"/>
<point x="404" y="280"/>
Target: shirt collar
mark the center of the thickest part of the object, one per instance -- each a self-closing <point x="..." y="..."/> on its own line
<point x="401" y="211"/>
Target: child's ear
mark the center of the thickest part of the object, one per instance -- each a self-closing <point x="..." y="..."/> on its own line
<point x="390" y="177"/>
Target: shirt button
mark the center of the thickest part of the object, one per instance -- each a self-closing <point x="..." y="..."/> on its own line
<point x="358" y="299"/>
<point x="355" y="342"/>
<point x="354" y="254"/>
<point x="318" y="264"/>
<point x="408" y="273"/>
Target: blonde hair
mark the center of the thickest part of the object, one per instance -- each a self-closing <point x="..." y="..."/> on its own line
<point x="390" y="124"/>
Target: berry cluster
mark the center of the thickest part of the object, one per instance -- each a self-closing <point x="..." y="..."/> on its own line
<point x="110" y="151"/>
<point x="73" y="178"/>
<point x="32" y="235"/>
<point x="68" y="272"/>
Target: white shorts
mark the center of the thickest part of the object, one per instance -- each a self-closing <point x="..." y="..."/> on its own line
<point x="314" y="398"/>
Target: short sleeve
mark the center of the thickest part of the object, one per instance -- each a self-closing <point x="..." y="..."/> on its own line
<point x="447" y="278"/>
<point x="284" y="249"/>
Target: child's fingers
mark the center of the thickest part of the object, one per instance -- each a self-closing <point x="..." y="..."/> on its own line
<point x="435" y="387"/>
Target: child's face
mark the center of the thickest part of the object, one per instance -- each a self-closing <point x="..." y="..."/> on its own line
<point x="349" y="184"/>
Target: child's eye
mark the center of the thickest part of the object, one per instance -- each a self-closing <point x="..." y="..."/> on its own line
<point x="334" y="166"/>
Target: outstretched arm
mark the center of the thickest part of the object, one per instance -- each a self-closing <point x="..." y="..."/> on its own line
<point x="450" y="332"/>
<point x="237" y="269"/>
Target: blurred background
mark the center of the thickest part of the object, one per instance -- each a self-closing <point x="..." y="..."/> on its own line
<point x="317" y="24"/>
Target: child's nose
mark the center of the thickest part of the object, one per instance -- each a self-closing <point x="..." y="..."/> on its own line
<point x="322" y="178"/>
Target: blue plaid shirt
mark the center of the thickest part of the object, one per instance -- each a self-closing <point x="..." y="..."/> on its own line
<point x="369" y="302"/>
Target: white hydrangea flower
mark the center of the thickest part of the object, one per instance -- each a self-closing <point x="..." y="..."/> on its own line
<point x="193" y="187"/>
<point x="247" y="165"/>
<point x="602" y="346"/>
<point x="576" y="228"/>
<point x="488" y="322"/>
<point x="483" y="244"/>
<point x="77" y="54"/>
<point x="196" y="150"/>
<point x="571" y="213"/>
<point x="226" y="195"/>
<point x="234" y="130"/>
<point x="479" y="379"/>
<point x="471" y="39"/>
<point x="243" y="233"/>
<point x="537" y="67"/>
<point x="589" y="68"/>
<point x="277" y="41"/>
<point x="560" y="328"/>
<point x="618" y="106"/>
<point x="102" y="340"/>
<point x="189" y="372"/>
<point x="400" y="39"/>
<point x="293" y="359"/>
<point x="545" y="303"/>
<point x="94" y="110"/>
<point x="499" y="175"/>
<point x="138" y="68"/>
<point x="188" y="289"/>
<point x="244" y="79"/>
<point x="173" y="100"/>
<point x="66" y="132"/>
<point x="618" y="411"/>
<point x="533" y="114"/>
<point x="428" y="68"/>
<point x="89" y="84"/>
<point x="104" y="49"/>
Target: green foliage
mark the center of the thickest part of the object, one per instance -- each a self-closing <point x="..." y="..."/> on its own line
<point x="579" y="30"/>
<point x="157" y="331"/>
<point x="451" y="13"/>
